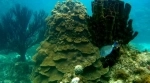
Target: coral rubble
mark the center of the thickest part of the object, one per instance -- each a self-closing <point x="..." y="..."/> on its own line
<point x="67" y="45"/>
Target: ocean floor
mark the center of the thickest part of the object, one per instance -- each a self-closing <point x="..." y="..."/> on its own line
<point x="132" y="67"/>
<point x="141" y="46"/>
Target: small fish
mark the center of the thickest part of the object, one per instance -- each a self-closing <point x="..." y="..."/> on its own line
<point x="106" y="50"/>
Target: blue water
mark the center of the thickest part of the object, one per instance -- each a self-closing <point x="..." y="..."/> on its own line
<point x="140" y="14"/>
<point x="141" y="18"/>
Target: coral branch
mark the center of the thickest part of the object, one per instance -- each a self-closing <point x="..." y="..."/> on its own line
<point x="21" y="32"/>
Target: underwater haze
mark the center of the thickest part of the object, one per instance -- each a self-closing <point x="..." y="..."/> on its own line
<point x="139" y="13"/>
<point x="141" y="18"/>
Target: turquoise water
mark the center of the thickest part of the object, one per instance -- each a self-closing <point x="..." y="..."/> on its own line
<point x="140" y="14"/>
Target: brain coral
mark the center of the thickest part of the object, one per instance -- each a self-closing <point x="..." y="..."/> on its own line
<point x="67" y="45"/>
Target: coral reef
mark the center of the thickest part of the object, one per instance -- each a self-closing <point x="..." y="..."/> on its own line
<point x="15" y="72"/>
<point x="110" y="22"/>
<point x="132" y="67"/>
<point x="120" y="74"/>
<point x="67" y="44"/>
<point x="73" y="38"/>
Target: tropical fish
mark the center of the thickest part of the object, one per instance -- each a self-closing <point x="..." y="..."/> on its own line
<point x="106" y="50"/>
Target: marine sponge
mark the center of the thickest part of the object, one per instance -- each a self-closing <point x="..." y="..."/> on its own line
<point x="110" y="22"/>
